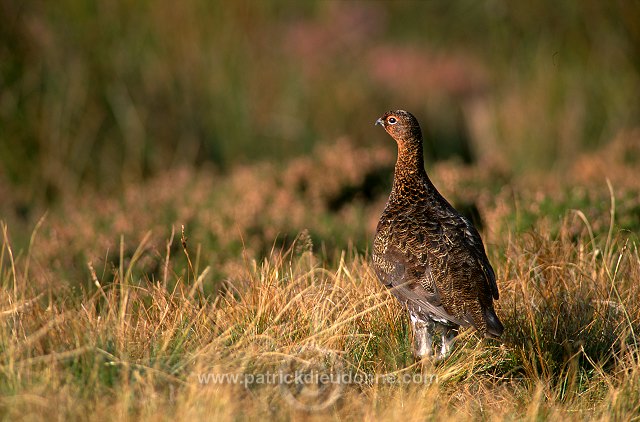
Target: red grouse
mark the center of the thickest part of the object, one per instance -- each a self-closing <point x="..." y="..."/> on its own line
<point x="431" y="257"/>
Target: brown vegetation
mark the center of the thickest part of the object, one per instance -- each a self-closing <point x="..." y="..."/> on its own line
<point x="102" y="320"/>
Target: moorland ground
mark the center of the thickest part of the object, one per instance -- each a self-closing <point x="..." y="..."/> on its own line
<point x="188" y="195"/>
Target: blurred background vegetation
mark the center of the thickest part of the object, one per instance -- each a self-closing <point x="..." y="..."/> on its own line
<point x="253" y="120"/>
<point x="105" y="93"/>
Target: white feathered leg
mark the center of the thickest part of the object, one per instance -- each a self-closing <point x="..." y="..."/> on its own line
<point x="422" y="337"/>
<point x="448" y="338"/>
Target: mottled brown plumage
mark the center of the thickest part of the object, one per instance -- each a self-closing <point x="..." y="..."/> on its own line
<point x="431" y="257"/>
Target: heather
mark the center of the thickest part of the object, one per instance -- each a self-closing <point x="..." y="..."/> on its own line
<point x="188" y="196"/>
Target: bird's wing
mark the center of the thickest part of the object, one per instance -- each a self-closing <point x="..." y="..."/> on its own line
<point x="404" y="274"/>
<point x="474" y="242"/>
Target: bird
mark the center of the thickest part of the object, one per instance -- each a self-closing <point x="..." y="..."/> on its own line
<point x="430" y="256"/>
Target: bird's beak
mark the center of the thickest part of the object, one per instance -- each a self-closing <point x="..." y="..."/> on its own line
<point x="380" y="122"/>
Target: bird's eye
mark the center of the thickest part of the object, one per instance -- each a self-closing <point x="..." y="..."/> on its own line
<point x="392" y="120"/>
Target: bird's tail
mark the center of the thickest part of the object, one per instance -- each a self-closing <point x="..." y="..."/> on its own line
<point x="494" y="326"/>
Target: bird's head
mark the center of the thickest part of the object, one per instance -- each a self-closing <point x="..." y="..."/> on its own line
<point x="401" y="125"/>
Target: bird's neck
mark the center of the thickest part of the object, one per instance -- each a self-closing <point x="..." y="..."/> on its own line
<point x="410" y="177"/>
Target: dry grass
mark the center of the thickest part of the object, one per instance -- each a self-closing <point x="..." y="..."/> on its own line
<point x="132" y="344"/>
<point x="111" y="124"/>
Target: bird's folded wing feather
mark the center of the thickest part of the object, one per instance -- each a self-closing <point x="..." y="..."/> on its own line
<point x="404" y="277"/>
<point x="476" y="247"/>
